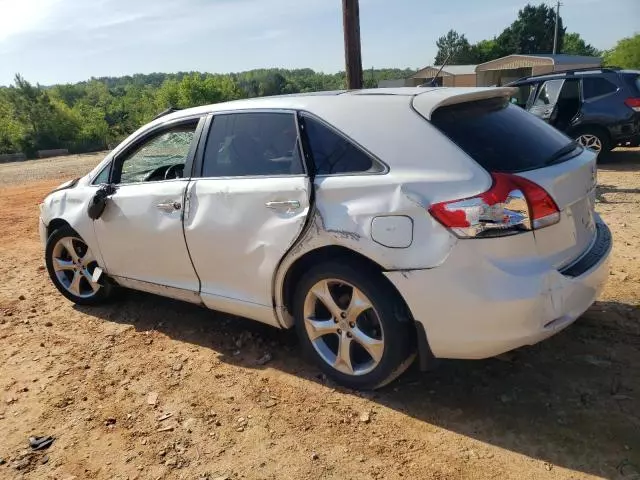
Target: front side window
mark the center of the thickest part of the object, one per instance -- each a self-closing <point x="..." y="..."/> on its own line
<point x="103" y="176"/>
<point x="252" y="144"/>
<point x="548" y="94"/>
<point x="332" y="153"/>
<point x="161" y="157"/>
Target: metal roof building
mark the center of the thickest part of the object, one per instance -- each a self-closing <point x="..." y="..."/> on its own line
<point x="495" y="72"/>
<point x="450" y="76"/>
<point x="512" y="67"/>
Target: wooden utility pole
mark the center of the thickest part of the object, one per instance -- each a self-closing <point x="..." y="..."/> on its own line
<point x="555" y="33"/>
<point x="352" y="55"/>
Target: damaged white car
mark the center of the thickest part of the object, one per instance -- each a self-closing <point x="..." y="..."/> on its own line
<point x="382" y="224"/>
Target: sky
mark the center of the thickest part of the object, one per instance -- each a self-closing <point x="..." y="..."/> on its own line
<point x="60" y="41"/>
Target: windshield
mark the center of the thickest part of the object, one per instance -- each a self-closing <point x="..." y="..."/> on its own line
<point x="501" y="137"/>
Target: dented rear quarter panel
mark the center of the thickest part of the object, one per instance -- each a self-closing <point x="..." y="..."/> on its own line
<point x="424" y="167"/>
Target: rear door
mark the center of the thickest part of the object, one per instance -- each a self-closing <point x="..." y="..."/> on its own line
<point x="503" y="138"/>
<point x="245" y="209"/>
<point x="546" y="100"/>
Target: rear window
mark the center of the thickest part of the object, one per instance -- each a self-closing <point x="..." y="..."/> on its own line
<point x="499" y="136"/>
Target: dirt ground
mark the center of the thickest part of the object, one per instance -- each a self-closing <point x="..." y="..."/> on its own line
<point x="102" y="380"/>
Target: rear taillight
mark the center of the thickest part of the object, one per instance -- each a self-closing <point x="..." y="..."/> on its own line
<point x="512" y="205"/>
<point x="633" y="103"/>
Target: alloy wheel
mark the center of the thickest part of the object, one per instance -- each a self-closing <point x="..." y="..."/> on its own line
<point x="344" y="327"/>
<point x="590" y="141"/>
<point x="73" y="265"/>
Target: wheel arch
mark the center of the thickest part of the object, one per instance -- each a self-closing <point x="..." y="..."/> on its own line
<point x="336" y="252"/>
<point x="588" y="127"/>
<point x="56" y="224"/>
<point x="332" y="253"/>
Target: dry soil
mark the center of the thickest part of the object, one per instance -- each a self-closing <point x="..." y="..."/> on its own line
<point x="149" y="388"/>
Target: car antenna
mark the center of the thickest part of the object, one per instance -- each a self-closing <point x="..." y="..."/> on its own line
<point x="434" y="80"/>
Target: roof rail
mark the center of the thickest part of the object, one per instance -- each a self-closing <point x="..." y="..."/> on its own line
<point x="588" y="69"/>
<point x="166" y="112"/>
<point x="571" y="71"/>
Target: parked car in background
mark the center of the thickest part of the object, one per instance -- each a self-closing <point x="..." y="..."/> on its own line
<point x="454" y="225"/>
<point x="599" y="107"/>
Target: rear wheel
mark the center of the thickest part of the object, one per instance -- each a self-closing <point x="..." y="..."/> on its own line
<point x="71" y="265"/>
<point x="350" y="323"/>
<point x="595" y="139"/>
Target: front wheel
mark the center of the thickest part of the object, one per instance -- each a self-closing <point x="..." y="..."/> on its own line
<point x="71" y="264"/>
<point x="351" y="323"/>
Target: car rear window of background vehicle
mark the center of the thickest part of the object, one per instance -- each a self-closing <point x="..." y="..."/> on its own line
<point x="499" y="136"/>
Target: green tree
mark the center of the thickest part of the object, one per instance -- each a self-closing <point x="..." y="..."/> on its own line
<point x="47" y="124"/>
<point x="625" y="54"/>
<point x="94" y="132"/>
<point x="168" y="95"/>
<point x="484" y="51"/>
<point x="453" y="46"/>
<point x="11" y="131"/>
<point x="574" y="44"/>
<point x="532" y="32"/>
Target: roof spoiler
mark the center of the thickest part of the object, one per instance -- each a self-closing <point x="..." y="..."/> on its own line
<point x="425" y="104"/>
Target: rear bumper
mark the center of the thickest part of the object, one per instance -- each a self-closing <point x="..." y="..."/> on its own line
<point x="627" y="134"/>
<point x="472" y="307"/>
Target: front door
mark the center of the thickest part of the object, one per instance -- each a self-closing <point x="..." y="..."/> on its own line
<point x="140" y="232"/>
<point x="246" y="210"/>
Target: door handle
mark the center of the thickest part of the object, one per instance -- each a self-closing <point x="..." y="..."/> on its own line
<point x="283" y="205"/>
<point x="169" y="207"/>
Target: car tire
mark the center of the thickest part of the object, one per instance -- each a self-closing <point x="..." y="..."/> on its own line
<point x="592" y="137"/>
<point x="71" y="272"/>
<point x="372" y="329"/>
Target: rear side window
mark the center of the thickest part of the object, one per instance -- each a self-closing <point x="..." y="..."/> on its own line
<point x="596" y="87"/>
<point x="331" y="153"/>
<point x="499" y="136"/>
<point x="252" y="144"/>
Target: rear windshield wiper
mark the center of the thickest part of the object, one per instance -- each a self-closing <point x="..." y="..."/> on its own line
<point x="561" y="153"/>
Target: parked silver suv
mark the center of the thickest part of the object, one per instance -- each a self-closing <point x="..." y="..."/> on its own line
<point x="379" y="223"/>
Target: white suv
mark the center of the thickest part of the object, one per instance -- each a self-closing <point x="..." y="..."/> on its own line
<point x="380" y="223"/>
